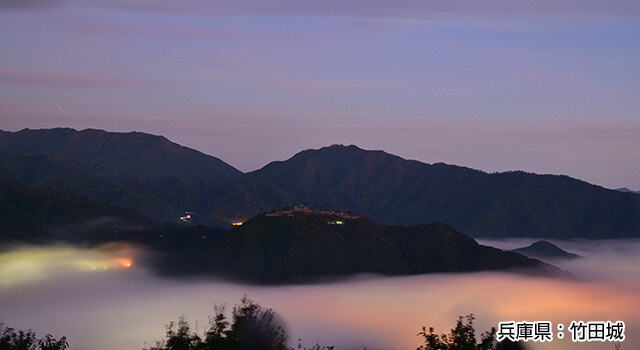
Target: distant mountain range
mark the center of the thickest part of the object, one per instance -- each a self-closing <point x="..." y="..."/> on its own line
<point x="164" y="180"/>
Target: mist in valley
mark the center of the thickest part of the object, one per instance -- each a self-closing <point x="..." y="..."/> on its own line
<point x="102" y="298"/>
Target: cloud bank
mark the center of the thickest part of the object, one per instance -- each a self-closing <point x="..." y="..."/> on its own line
<point x="130" y="307"/>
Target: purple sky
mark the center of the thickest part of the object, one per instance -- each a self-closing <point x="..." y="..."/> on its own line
<point x="542" y="86"/>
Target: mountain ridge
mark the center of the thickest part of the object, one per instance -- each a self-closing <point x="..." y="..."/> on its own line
<point x="385" y="187"/>
<point x="393" y="190"/>
<point x="162" y="179"/>
<point x="98" y="150"/>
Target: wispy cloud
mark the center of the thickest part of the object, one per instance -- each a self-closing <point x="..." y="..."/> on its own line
<point x="389" y="7"/>
<point x="305" y="84"/>
<point x="28" y="4"/>
<point x="58" y="78"/>
<point x="110" y="28"/>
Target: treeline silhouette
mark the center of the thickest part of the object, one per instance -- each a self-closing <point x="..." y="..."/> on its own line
<point x="251" y="327"/>
<point x="11" y="339"/>
<point x="254" y="328"/>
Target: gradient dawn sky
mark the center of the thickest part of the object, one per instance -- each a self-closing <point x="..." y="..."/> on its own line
<point x="546" y="86"/>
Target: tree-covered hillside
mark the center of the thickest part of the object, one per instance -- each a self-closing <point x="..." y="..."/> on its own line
<point x="31" y="215"/>
<point x="393" y="190"/>
<point x="297" y="246"/>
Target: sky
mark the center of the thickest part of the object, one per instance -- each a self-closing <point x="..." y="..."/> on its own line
<point x="551" y="87"/>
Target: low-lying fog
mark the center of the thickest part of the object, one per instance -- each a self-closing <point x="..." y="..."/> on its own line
<point x="100" y="299"/>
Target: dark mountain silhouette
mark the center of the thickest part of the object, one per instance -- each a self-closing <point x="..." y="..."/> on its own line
<point x="122" y="156"/>
<point x="390" y="189"/>
<point x="545" y="250"/>
<point x="144" y="172"/>
<point x="31" y="215"/>
<point x="51" y="173"/>
<point x="299" y="244"/>
<point x="164" y="181"/>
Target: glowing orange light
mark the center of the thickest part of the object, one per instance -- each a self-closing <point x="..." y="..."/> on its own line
<point x="124" y="262"/>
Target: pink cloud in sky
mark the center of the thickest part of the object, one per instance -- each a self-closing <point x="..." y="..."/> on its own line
<point x="28" y="4"/>
<point x="71" y="79"/>
<point x="367" y="8"/>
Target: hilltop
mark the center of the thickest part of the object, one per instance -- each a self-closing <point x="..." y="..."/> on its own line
<point x="299" y="245"/>
<point x="545" y="250"/>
